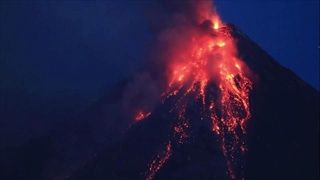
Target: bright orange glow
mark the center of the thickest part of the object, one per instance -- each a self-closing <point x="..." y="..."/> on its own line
<point x="237" y="66"/>
<point x="216" y="22"/>
<point x="221" y="43"/>
<point x="141" y="115"/>
<point x="216" y="25"/>
<point x="180" y="78"/>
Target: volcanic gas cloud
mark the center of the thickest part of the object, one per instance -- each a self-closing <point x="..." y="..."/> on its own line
<point x="201" y="62"/>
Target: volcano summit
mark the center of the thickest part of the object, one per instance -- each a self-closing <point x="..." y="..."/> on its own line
<point x="227" y="111"/>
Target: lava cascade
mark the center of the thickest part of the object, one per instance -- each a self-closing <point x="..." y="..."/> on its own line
<point x="201" y="62"/>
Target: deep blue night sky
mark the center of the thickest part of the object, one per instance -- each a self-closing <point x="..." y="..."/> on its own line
<point x="287" y="30"/>
<point x="66" y="55"/>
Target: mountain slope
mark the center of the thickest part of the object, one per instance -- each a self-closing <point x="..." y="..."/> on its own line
<point x="282" y="134"/>
<point x="284" y="129"/>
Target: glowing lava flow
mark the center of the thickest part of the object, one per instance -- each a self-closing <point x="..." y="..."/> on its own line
<point x="203" y="58"/>
<point x="159" y="161"/>
<point x="142" y="115"/>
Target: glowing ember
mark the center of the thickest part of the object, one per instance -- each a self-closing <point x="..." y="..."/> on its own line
<point x="216" y="22"/>
<point x="142" y="115"/>
<point x="201" y="59"/>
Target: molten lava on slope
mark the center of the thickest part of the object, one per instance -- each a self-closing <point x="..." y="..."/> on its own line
<point x="227" y="110"/>
<point x="198" y="57"/>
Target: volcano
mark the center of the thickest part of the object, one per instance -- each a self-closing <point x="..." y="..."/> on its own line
<point x="208" y="103"/>
<point x="254" y="120"/>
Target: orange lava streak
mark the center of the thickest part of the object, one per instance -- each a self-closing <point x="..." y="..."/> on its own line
<point x="158" y="162"/>
<point x="235" y="113"/>
<point x="181" y="126"/>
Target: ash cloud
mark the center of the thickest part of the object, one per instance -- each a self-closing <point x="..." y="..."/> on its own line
<point x="173" y="24"/>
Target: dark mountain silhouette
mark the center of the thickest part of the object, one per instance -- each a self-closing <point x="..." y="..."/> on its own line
<point x="69" y="144"/>
<point x="282" y="135"/>
<point x="284" y="129"/>
<point x="27" y="161"/>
